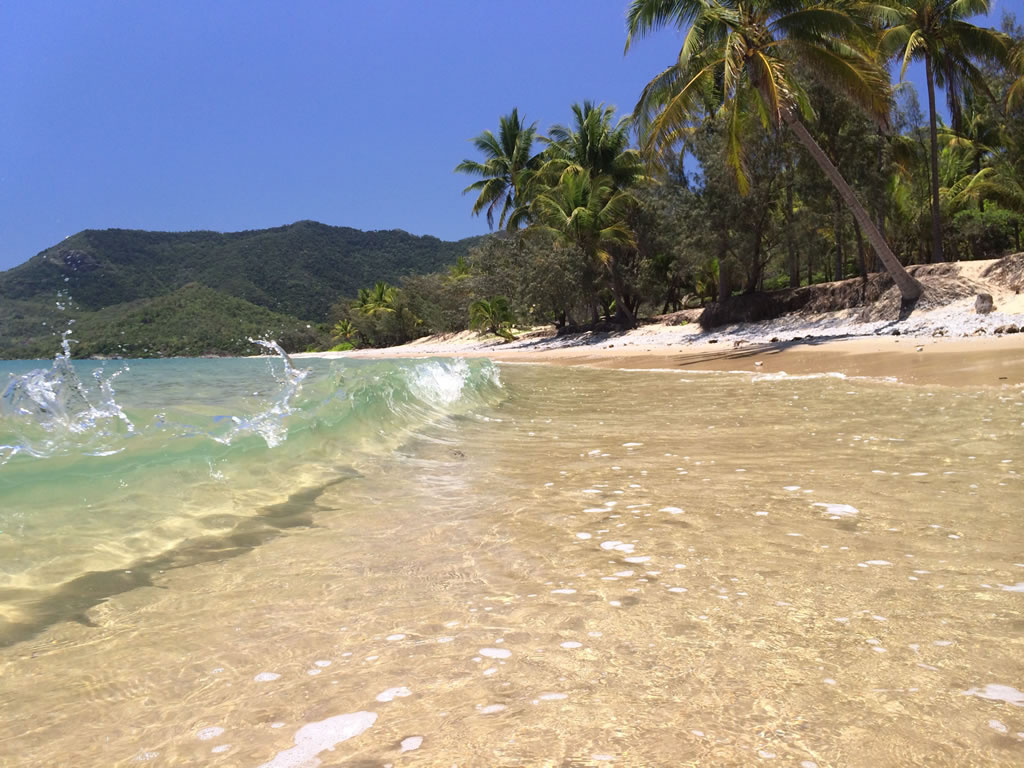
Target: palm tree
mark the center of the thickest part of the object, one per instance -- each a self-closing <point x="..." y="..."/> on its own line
<point x="381" y="298"/>
<point x="504" y="172"/>
<point x="935" y="31"/>
<point x="492" y="315"/>
<point x="1015" y="94"/>
<point x="344" y="330"/>
<point x="589" y="213"/>
<point x="739" y="59"/>
<point x="595" y="145"/>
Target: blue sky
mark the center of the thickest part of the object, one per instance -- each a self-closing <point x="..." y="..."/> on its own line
<point x="237" y="114"/>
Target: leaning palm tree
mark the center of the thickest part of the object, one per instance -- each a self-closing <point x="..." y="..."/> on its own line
<point x="739" y="60"/>
<point x="587" y="212"/>
<point x="505" y="171"/>
<point x="595" y="144"/>
<point x="936" y="31"/>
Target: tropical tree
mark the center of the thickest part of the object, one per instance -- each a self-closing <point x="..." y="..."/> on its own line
<point x="936" y="31"/>
<point x="589" y="213"/>
<point x="594" y="144"/>
<point x="740" y="61"/>
<point x="505" y="171"/>
<point x="381" y="298"/>
<point x="492" y="315"/>
<point x="344" y="330"/>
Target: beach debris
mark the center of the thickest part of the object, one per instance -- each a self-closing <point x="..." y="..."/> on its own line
<point x="712" y="341"/>
<point x="979" y="332"/>
<point x="1011" y="328"/>
<point x="983" y="304"/>
<point x="939" y="332"/>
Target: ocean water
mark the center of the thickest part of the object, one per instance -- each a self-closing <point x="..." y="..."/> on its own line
<point x="439" y="562"/>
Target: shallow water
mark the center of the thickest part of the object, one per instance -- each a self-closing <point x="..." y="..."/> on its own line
<point x="578" y="568"/>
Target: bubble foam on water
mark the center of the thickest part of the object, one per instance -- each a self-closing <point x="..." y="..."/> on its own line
<point x="837" y="510"/>
<point x="314" y="738"/>
<point x="410" y="743"/>
<point x="495" y="653"/>
<point x="998" y="692"/>
<point x="266" y="677"/>
<point x="393" y="693"/>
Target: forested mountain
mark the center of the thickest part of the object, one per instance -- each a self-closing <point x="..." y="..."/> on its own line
<point x="131" y="281"/>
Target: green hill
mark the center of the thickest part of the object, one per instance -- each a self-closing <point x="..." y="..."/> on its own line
<point x="165" y="293"/>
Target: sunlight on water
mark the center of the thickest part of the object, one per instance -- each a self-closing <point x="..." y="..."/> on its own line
<point x="558" y="567"/>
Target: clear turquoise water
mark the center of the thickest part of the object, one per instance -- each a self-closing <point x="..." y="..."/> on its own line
<point x="111" y="471"/>
<point x="428" y="563"/>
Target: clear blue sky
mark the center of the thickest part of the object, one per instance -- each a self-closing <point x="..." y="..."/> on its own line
<point x="242" y="114"/>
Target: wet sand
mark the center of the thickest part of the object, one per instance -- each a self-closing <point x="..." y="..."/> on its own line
<point x="960" y="362"/>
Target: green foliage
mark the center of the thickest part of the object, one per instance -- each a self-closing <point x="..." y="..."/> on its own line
<point x="194" y="320"/>
<point x="983" y="234"/>
<point x="286" y="273"/>
<point x="492" y="315"/>
<point x="504" y="174"/>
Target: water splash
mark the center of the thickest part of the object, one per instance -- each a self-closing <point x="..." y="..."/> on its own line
<point x="51" y="410"/>
<point x="270" y="423"/>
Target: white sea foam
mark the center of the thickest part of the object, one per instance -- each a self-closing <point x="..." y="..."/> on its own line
<point x="411" y="742"/>
<point x="553" y="696"/>
<point x="314" y="738"/>
<point x="393" y="693"/>
<point x="837" y="510"/>
<point x="998" y="692"/>
<point x="266" y="677"/>
<point x="495" y="653"/>
<point x="570" y="644"/>
<point x="205" y="734"/>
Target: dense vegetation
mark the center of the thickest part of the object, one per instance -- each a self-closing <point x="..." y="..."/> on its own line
<point x="775" y="151"/>
<point x="780" y="148"/>
<point x="158" y="293"/>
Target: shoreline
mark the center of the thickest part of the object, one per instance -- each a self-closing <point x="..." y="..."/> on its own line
<point x="982" y="361"/>
<point x="943" y="340"/>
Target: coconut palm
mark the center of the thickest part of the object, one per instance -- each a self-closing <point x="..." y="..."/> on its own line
<point x="936" y="31"/>
<point x="505" y="171"/>
<point x="344" y="330"/>
<point x="593" y="143"/>
<point x="381" y="298"/>
<point x="587" y="212"/>
<point x="1015" y="94"/>
<point x="739" y="61"/>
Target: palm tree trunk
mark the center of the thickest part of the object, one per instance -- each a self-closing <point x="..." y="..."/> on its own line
<point x="934" y="135"/>
<point x="837" y="231"/>
<point x="910" y="289"/>
<point x="623" y="314"/>
<point x="792" y="256"/>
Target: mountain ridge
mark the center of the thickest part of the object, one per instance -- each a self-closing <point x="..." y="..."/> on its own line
<point x="296" y="271"/>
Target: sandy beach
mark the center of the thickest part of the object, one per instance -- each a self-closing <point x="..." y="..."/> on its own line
<point x="945" y="342"/>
